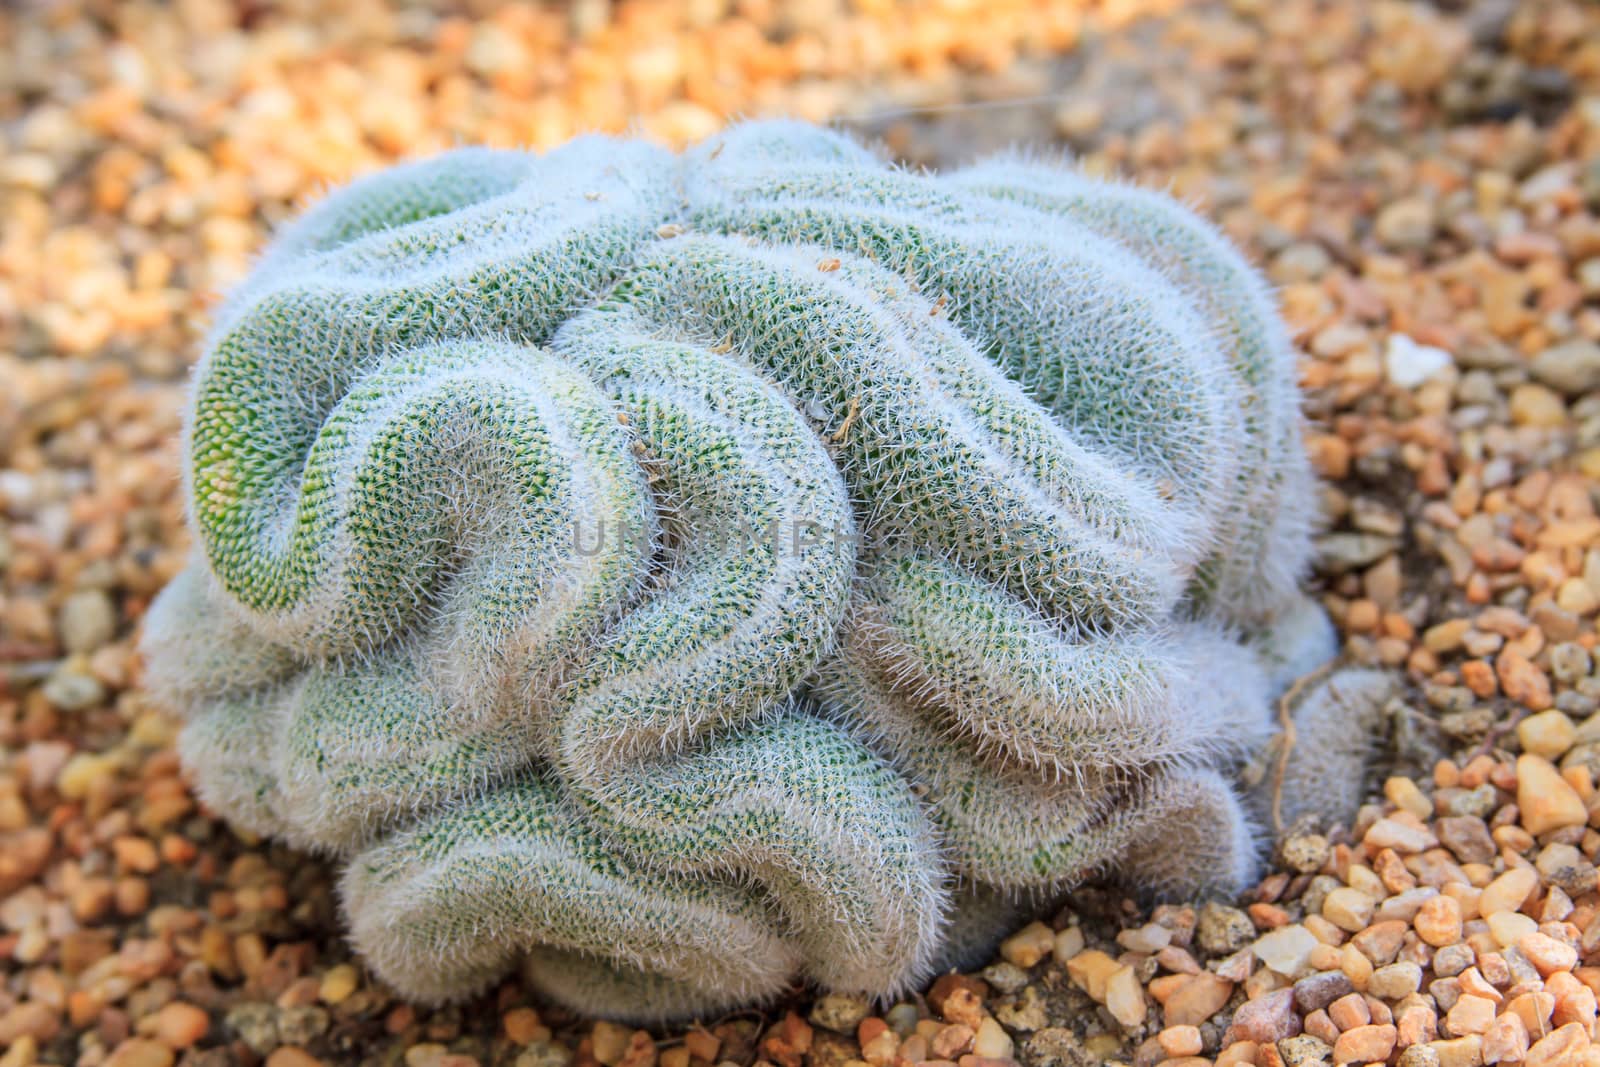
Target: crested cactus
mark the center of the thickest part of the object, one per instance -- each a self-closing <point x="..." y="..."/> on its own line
<point x="677" y="575"/>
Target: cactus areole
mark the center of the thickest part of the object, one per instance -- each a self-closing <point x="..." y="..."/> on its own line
<point x="677" y="575"/>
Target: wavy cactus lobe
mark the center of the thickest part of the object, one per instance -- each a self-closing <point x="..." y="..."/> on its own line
<point x="678" y="575"/>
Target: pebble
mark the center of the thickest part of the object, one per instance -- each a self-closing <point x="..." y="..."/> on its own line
<point x="256" y="1025"/>
<point x="1197" y="999"/>
<point x="1403" y="838"/>
<point x="1562" y="1048"/>
<point x="1180" y="1041"/>
<point x="1340" y="553"/>
<point x="1304" y="853"/>
<point x="1549" y="734"/>
<point x="24" y="1052"/>
<point x="302" y="1024"/>
<point x="1404" y="794"/>
<point x="1510" y="927"/>
<point x="1546" y="953"/>
<point x="140" y="1052"/>
<point x="522" y="1026"/>
<point x="1470" y="1015"/>
<point x="1348" y="909"/>
<point x="1091" y="971"/>
<point x="181" y="1025"/>
<point x="1005" y="977"/>
<point x="1302" y="261"/>
<point x="338" y="984"/>
<point x="1222" y="930"/>
<point x="29" y="1019"/>
<point x="1565" y="867"/>
<point x="1286" y="949"/>
<point x="1422" y="1056"/>
<point x="1523" y="680"/>
<point x="1303" y="1050"/>
<point x="1406" y="225"/>
<point x="1069" y="942"/>
<point x="1365" y="1044"/>
<point x="1506" y="1040"/>
<point x="1468" y="837"/>
<point x="1317" y="991"/>
<point x="1537" y="406"/>
<point x="1458" y="1051"/>
<point x="86" y="621"/>
<point x="1149" y="938"/>
<point x="1572" y="368"/>
<point x="1028" y="946"/>
<point x="1570" y="662"/>
<point x="436" y="1054"/>
<point x="1409" y="364"/>
<point x="1267" y="1019"/>
<point x="1394" y="981"/>
<point x="1125" y="997"/>
<point x="1350" y="1011"/>
<point x="72" y="688"/>
<point x="1545" y="799"/>
<point x="842" y="1013"/>
<point x="992" y="1042"/>
<point x="609" y="1041"/>
<point x="1438" y="921"/>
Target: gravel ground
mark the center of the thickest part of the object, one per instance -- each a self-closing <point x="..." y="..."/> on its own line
<point x="1423" y="184"/>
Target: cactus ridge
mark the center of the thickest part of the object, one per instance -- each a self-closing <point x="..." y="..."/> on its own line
<point x="677" y="575"/>
<point x="918" y="454"/>
<point x="717" y="938"/>
<point x="1264" y="545"/>
<point x="1136" y="380"/>
<point x="914" y="686"/>
<point x="1012" y="684"/>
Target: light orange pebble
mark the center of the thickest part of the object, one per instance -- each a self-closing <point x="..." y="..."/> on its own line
<point x="1319" y="1025"/>
<point x="1438" y="921"/>
<point x="180" y="1025"/>
<point x="1325" y="958"/>
<point x="1470" y="1015"/>
<point x="1589" y="976"/>
<point x="1567" y="1045"/>
<point x="1446" y="775"/>
<point x="1349" y="1011"/>
<point x="1365" y="1044"/>
<point x="1416" y="1025"/>
<point x="1506" y="1040"/>
<point x="522" y="1025"/>
<point x="1178" y="1041"/>
<point x="1575" y="1002"/>
<point x="1478" y="676"/>
<point x="1239" y="1054"/>
<point x="1356" y="966"/>
<point x="1474" y="983"/>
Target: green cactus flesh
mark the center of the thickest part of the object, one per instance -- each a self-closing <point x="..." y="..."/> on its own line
<point x="676" y="576"/>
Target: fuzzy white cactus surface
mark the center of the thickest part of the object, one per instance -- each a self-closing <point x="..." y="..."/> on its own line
<point x="680" y="575"/>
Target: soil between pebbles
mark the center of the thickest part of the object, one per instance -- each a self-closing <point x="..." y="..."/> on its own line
<point x="1421" y="181"/>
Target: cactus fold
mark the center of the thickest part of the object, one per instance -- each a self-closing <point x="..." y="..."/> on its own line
<point x="676" y="575"/>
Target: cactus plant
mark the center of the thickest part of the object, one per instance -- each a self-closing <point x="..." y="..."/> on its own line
<point x="680" y="574"/>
